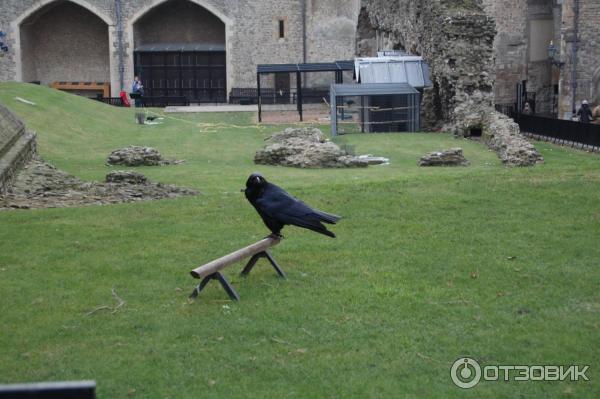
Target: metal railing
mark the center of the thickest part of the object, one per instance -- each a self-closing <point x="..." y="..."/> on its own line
<point x="569" y="132"/>
<point x="273" y="96"/>
<point x="149" y="101"/>
<point x="116" y="101"/>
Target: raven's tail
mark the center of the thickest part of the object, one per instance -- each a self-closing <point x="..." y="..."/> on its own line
<point x="327" y="218"/>
<point x="323" y="230"/>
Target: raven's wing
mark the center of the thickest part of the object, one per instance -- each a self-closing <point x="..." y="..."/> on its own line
<point x="278" y="204"/>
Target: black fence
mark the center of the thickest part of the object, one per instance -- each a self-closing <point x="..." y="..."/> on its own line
<point x="164" y="101"/>
<point x="559" y="129"/>
<point x="245" y="96"/>
<point x="116" y="101"/>
<point x="507" y="109"/>
<point x="147" y="101"/>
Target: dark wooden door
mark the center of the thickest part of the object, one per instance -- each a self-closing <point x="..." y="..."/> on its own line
<point x="200" y="77"/>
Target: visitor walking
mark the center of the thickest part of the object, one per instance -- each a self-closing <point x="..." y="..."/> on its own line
<point x="527" y="109"/>
<point x="585" y="113"/>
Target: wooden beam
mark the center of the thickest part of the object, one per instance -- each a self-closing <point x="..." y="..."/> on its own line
<point x="218" y="264"/>
<point x="91" y="86"/>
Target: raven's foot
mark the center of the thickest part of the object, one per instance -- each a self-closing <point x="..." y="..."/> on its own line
<point x="275" y="236"/>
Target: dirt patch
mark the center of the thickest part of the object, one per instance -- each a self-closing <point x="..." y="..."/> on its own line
<point x="283" y="117"/>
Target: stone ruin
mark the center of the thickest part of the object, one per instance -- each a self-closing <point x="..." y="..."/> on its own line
<point x="26" y="181"/>
<point x="308" y="148"/>
<point x="456" y="38"/>
<point x="451" y="157"/>
<point x="41" y="185"/>
<point x="502" y="135"/>
<point x="17" y="147"/>
<point x="138" y="156"/>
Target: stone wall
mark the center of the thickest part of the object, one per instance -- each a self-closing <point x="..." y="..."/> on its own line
<point x="179" y="21"/>
<point x="510" y="46"/>
<point x="65" y="43"/>
<point x="588" y="54"/>
<point x="251" y="33"/>
<point x="331" y="29"/>
<point x="525" y="28"/>
<point x="524" y="31"/>
<point x="454" y="37"/>
<point x="17" y="147"/>
<point x="366" y="35"/>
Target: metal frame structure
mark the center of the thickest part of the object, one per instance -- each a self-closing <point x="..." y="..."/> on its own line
<point x="338" y="67"/>
<point x="389" y="92"/>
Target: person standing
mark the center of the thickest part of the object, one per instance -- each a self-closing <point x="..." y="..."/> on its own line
<point x="585" y="113"/>
<point x="527" y="109"/>
<point x="138" y="89"/>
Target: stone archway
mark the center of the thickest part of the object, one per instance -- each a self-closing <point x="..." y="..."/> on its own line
<point x="167" y="27"/>
<point x="62" y="40"/>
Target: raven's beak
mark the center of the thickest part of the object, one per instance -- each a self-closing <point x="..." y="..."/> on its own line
<point x="242" y="190"/>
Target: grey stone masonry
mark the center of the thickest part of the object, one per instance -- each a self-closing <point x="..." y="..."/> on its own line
<point x="525" y="30"/>
<point x="455" y="38"/>
<point x="78" y="40"/>
<point x="17" y="147"/>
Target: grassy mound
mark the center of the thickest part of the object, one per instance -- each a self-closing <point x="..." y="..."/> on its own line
<point x="429" y="265"/>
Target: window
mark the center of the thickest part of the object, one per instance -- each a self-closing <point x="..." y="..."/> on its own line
<point x="281" y="29"/>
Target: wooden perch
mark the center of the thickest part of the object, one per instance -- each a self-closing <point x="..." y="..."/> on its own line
<point x="218" y="264"/>
<point x="211" y="270"/>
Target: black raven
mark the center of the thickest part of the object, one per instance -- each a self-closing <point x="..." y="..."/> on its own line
<point x="277" y="208"/>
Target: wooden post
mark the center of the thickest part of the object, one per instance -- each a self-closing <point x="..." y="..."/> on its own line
<point x="212" y="270"/>
<point x="218" y="264"/>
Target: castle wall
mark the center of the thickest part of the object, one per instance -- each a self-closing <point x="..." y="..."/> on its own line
<point x="455" y="39"/>
<point x="179" y="22"/>
<point x="251" y="34"/>
<point x="525" y="28"/>
<point x="65" y="43"/>
<point x="588" y="53"/>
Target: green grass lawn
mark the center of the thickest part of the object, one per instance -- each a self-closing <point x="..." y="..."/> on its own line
<point x="430" y="264"/>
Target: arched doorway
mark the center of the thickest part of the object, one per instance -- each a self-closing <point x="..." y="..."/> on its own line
<point x="62" y="41"/>
<point x="180" y="52"/>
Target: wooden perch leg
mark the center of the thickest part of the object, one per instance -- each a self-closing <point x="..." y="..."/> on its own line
<point x="256" y="257"/>
<point x="224" y="283"/>
<point x="212" y="270"/>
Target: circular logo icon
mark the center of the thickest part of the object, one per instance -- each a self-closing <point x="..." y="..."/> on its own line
<point x="465" y="373"/>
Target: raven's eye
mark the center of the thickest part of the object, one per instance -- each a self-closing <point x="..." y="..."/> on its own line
<point x="257" y="179"/>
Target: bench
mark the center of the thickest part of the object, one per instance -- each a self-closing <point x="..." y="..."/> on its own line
<point x="83" y="86"/>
